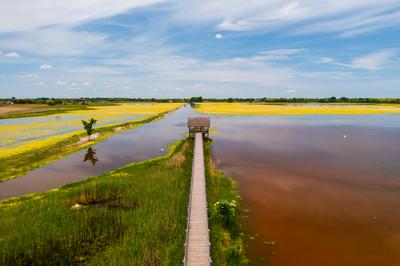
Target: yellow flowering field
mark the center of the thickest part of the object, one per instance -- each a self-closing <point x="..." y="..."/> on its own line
<point x="296" y="109"/>
<point x="32" y="132"/>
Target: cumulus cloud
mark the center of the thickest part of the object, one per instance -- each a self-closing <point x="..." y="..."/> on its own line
<point x="61" y="83"/>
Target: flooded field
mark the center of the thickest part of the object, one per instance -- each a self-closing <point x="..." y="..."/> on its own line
<point x="137" y="144"/>
<point x="20" y="131"/>
<point x="321" y="190"/>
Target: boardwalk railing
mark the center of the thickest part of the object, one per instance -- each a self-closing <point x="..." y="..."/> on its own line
<point x="197" y="246"/>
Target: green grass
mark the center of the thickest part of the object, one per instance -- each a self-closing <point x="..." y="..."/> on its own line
<point x="19" y="164"/>
<point x="132" y="216"/>
<point x="135" y="215"/>
<point x="226" y="239"/>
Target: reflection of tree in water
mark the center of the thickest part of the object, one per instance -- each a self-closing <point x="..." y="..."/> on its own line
<point x="91" y="156"/>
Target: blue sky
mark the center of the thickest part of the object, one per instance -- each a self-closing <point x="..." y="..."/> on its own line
<point x="212" y="48"/>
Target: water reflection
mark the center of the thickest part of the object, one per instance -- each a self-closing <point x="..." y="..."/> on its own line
<point x="91" y="156"/>
<point x="144" y="142"/>
<point x="319" y="197"/>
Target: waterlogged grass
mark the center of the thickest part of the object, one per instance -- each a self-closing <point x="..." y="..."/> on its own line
<point x="295" y="109"/>
<point x="132" y="216"/>
<point x="17" y="161"/>
<point x="17" y="133"/>
<point x="226" y="238"/>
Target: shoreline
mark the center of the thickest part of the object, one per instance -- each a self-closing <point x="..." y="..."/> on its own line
<point x="178" y="159"/>
<point x="30" y="157"/>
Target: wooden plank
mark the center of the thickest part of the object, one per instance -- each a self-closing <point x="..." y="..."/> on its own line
<point x="197" y="250"/>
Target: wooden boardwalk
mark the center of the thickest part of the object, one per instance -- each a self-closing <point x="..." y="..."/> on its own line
<point x="197" y="247"/>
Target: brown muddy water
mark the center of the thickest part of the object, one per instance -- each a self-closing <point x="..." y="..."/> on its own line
<point x="320" y="190"/>
<point x="137" y="144"/>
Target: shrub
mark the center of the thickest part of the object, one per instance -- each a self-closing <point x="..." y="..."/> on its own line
<point x="50" y="102"/>
<point x="224" y="211"/>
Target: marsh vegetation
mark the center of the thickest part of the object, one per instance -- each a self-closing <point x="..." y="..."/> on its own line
<point x="134" y="215"/>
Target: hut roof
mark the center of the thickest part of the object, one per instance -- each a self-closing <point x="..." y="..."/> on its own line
<point x="198" y="122"/>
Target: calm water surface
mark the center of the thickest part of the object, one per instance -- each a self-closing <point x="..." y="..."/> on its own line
<point x="43" y="127"/>
<point x="325" y="189"/>
<point x="137" y="144"/>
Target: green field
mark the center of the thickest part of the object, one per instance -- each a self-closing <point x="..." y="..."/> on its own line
<point x="135" y="215"/>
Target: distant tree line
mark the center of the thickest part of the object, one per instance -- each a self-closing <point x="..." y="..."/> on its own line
<point x="192" y="100"/>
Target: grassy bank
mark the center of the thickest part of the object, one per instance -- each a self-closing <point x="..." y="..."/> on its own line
<point x="132" y="216"/>
<point x="224" y="215"/>
<point x="18" y="162"/>
<point x="135" y="215"/>
<point x="296" y="109"/>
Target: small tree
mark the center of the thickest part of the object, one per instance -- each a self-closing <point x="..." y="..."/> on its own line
<point x="89" y="126"/>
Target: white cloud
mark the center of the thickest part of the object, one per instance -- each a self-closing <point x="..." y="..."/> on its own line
<point x="86" y="83"/>
<point x="18" y="15"/>
<point x="12" y="55"/>
<point x="324" y="75"/>
<point x="40" y="83"/>
<point x="326" y="60"/>
<point x="61" y="83"/>
<point x="307" y="16"/>
<point x="54" y="41"/>
<point x="218" y="36"/>
<point x="46" y="66"/>
<point x="373" y="61"/>
<point x="24" y="76"/>
<point x="290" y="91"/>
<point x="280" y="54"/>
<point x="366" y="20"/>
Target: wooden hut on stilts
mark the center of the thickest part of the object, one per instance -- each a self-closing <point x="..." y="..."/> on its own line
<point x="199" y="124"/>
